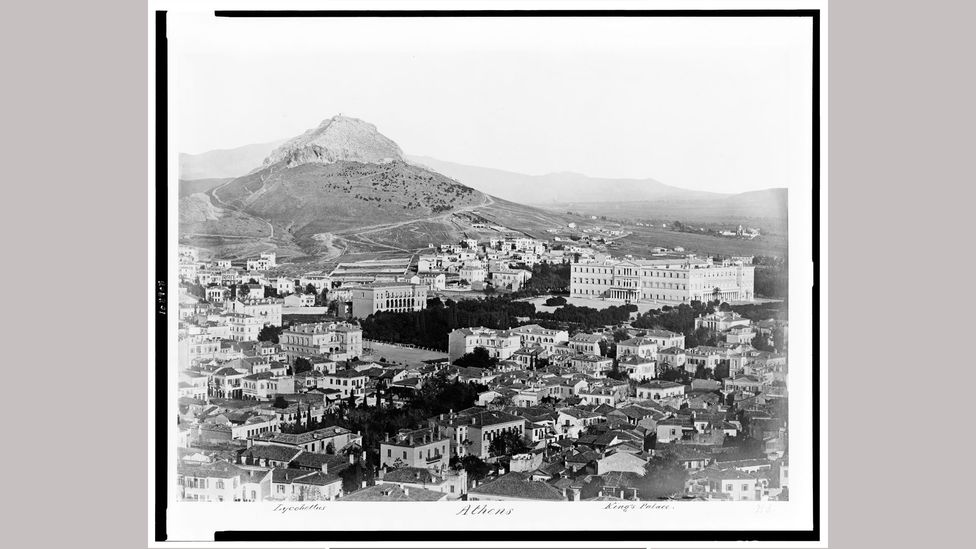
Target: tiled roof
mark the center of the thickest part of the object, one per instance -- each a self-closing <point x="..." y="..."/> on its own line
<point x="314" y="460"/>
<point x="310" y="436"/>
<point x="636" y="341"/>
<point x="272" y="452"/>
<point x="318" y="478"/>
<point x="659" y="385"/>
<point x="671" y="351"/>
<point x="393" y="492"/>
<point x="518" y="485"/>
<point x="218" y="469"/>
<point x="660" y="333"/>
<point x="283" y="475"/>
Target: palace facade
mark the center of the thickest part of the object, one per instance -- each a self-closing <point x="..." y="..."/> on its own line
<point x="671" y="280"/>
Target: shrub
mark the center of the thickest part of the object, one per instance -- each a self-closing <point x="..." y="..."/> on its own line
<point x="556" y="301"/>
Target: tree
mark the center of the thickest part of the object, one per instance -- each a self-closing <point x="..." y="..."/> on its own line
<point x="676" y="375"/>
<point x="555" y="301"/>
<point x="489" y="289"/>
<point x="478" y="358"/>
<point x="616" y="373"/>
<point x="620" y="334"/>
<point x="476" y="468"/>
<point x="506" y="444"/>
<point x="702" y="372"/>
<point x="280" y="402"/>
<point x="330" y="448"/>
<point x="302" y="364"/>
<point x="762" y="343"/>
<point x="779" y="339"/>
<point x="310" y="289"/>
<point x="196" y="290"/>
<point x="664" y="476"/>
<point x="717" y="293"/>
<point x="270" y="333"/>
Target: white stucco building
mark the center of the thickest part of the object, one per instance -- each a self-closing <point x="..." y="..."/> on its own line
<point x="674" y="280"/>
<point x="398" y="297"/>
<point x="499" y="343"/>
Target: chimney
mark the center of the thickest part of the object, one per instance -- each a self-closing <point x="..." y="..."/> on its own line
<point x="325" y="468"/>
<point x="364" y="485"/>
<point x="406" y="491"/>
<point x="352" y="458"/>
<point x="574" y="493"/>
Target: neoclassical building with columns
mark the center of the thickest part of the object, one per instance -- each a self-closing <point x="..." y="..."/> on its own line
<point x="670" y="280"/>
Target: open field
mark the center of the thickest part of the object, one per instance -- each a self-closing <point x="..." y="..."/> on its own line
<point x="643" y="239"/>
<point x="399" y="354"/>
<point x="767" y="208"/>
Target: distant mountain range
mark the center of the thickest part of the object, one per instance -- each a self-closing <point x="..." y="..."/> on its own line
<point x="558" y="187"/>
<point x="550" y="190"/>
<point x="630" y="198"/>
<point x="224" y="163"/>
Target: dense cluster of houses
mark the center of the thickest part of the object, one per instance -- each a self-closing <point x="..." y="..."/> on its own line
<point x="592" y="412"/>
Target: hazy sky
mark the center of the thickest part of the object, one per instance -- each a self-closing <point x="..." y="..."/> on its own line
<point x="711" y="104"/>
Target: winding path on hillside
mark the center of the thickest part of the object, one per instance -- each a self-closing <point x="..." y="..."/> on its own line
<point x="333" y="241"/>
<point x="215" y="196"/>
<point x="437" y="218"/>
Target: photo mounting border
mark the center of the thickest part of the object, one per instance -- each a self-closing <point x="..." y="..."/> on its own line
<point x="163" y="392"/>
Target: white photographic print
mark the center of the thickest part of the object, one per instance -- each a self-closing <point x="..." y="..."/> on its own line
<point x="514" y="277"/>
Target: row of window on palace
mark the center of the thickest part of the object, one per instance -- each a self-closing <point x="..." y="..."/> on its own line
<point x="658" y="274"/>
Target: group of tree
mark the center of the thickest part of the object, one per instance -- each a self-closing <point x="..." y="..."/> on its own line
<point x="771" y="277"/>
<point x="301" y="365"/>
<point x="664" y="476"/>
<point x="430" y="327"/>
<point x="506" y="444"/>
<point x="478" y="358"/>
<point x="304" y="422"/>
<point x="548" y="278"/>
<point x="676" y="375"/>
<point x="270" y="333"/>
<point x="377" y="422"/>
<point x="474" y="466"/>
<point x="556" y="301"/>
<point x="588" y="317"/>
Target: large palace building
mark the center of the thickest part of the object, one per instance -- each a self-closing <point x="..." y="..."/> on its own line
<point x="670" y="280"/>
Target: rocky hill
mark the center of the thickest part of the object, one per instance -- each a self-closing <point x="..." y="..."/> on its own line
<point x="341" y="187"/>
<point x="336" y="139"/>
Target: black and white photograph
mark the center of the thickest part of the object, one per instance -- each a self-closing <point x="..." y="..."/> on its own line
<point x="549" y="273"/>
